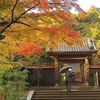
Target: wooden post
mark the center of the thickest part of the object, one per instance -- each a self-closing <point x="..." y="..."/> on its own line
<point x="94" y="80"/>
<point x="86" y="71"/>
<point x="56" y="73"/>
<point x="82" y="73"/>
<point x="97" y="82"/>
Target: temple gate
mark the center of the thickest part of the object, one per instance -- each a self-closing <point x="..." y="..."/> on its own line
<point x="75" y="54"/>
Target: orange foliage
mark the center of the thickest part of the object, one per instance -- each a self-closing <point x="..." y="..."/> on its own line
<point x="35" y="29"/>
<point x="63" y="33"/>
<point x="29" y="49"/>
<point x="44" y="4"/>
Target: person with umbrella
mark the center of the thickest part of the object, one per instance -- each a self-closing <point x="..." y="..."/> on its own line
<point x="69" y="75"/>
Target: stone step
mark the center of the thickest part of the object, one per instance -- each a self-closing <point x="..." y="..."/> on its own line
<point x="52" y="96"/>
<point x="65" y="92"/>
<point x="64" y="87"/>
<point x="64" y="95"/>
<point x="68" y="98"/>
<point x="60" y="93"/>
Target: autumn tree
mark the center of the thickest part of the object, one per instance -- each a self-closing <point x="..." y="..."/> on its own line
<point x="24" y="31"/>
<point x="91" y="22"/>
<point x="20" y="24"/>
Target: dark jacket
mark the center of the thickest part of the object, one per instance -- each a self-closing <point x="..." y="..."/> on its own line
<point x="69" y="75"/>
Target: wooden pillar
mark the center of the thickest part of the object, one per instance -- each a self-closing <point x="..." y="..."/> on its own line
<point x="86" y="71"/>
<point x="56" y="73"/>
<point x="82" y="72"/>
<point x="96" y="81"/>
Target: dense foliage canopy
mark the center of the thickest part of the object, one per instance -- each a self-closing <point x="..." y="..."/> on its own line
<point x="90" y="25"/>
<point x="26" y="25"/>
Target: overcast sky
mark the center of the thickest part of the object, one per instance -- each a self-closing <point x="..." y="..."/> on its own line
<point x="86" y="4"/>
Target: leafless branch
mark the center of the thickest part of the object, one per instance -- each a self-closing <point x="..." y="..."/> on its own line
<point x="15" y="20"/>
<point x="14" y="9"/>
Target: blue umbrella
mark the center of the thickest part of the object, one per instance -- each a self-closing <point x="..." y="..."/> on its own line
<point x="64" y="69"/>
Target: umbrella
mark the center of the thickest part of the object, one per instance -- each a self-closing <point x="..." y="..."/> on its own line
<point x="64" y="69"/>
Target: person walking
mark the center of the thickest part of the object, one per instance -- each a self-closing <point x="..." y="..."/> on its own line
<point x="69" y="75"/>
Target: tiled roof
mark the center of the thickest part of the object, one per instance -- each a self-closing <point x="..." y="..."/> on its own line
<point x="87" y="46"/>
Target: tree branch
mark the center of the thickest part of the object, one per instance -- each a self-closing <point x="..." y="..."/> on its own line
<point x="26" y="12"/>
<point x="12" y="16"/>
<point x="14" y="21"/>
<point x="23" y="23"/>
